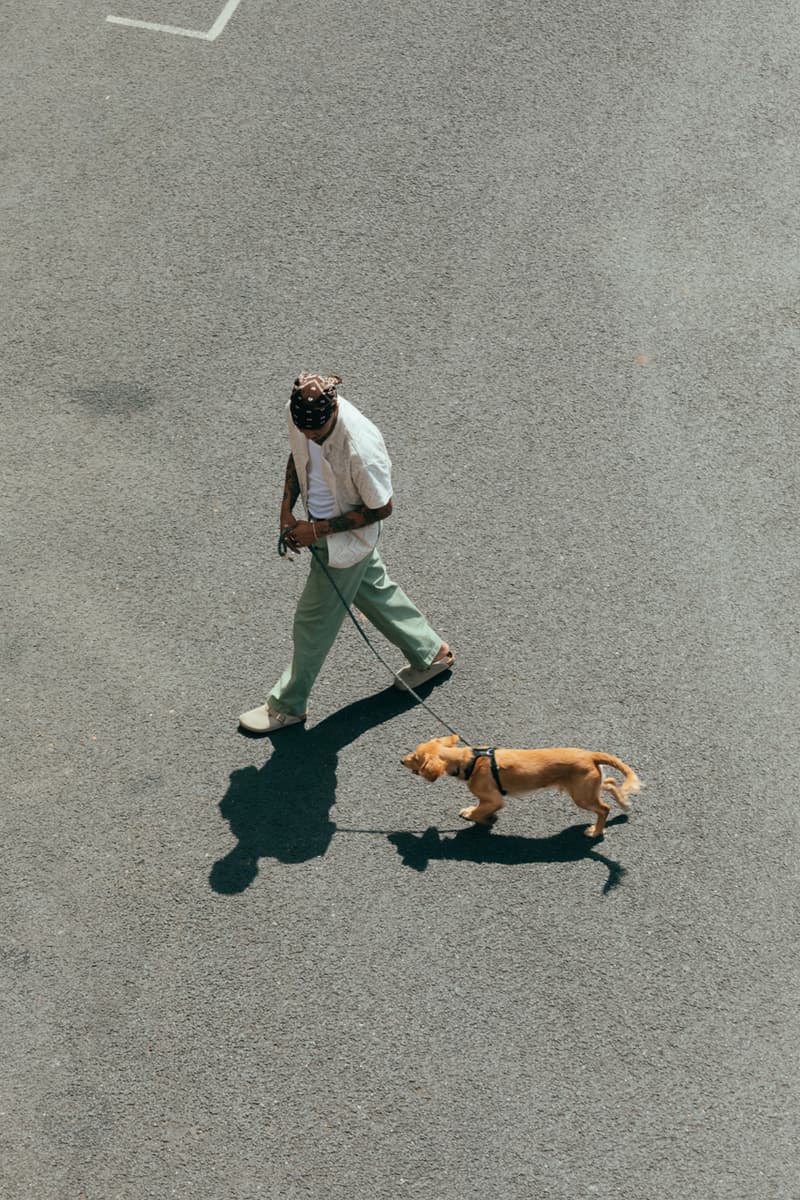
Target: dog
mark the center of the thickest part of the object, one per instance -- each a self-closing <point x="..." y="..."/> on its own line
<point x="490" y="773"/>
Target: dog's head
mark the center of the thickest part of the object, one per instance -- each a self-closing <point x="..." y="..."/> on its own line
<point x="426" y="759"/>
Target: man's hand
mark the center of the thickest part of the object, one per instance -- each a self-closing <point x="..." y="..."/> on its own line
<point x="302" y="534"/>
<point x="298" y="534"/>
<point x="288" y="522"/>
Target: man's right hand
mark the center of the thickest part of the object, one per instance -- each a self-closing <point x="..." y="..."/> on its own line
<point x="288" y="522"/>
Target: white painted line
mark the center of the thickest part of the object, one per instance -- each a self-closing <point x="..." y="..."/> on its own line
<point x="195" y="33"/>
<point x="222" y="20"/>
<point x="210" y="36"/>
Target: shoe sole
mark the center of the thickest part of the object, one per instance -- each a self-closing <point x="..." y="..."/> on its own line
<point x="271" y="728"/>
<point x="402" y="684"/>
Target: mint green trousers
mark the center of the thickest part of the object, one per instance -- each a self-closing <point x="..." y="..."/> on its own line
<point x="320" y="613"/>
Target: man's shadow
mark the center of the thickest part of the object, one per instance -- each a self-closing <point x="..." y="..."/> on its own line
<point x="282" y="810"/>
<point x="481" y="845"/>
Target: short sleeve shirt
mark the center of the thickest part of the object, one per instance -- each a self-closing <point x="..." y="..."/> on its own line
<point x="357" y="470"/>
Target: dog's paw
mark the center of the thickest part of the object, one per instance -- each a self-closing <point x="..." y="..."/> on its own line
<point x="484" y="822"/>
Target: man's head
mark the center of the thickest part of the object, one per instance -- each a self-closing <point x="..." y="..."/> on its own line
<point x="314" y="403"/>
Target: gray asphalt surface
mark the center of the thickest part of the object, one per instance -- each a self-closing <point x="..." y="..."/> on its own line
<point x="553" y="251"/>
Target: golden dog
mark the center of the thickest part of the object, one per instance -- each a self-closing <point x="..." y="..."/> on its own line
<point x="491" y="773"/>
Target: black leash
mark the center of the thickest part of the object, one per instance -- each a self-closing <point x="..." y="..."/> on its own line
<point x="283" y="550"/>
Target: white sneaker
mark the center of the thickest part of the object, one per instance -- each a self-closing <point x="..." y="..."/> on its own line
<point x="412" y="677"/>
<point x="265" y="720"/>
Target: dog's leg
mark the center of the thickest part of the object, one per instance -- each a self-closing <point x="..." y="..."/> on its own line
<point x="489" y="802"/>
<point x="612" y="787"/>
<point x="586" y="794"/>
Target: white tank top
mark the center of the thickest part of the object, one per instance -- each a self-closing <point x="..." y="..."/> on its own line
<point x="320" y="501"/>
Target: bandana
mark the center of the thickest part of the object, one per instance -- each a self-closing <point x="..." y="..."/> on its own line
<point x="313" y="399"/>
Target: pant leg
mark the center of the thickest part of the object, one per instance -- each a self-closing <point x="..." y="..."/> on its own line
<point x="389" y="609"/>
<point x="317" y="621"/>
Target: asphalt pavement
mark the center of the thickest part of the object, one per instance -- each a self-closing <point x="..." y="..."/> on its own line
<point x="553" y="251"/>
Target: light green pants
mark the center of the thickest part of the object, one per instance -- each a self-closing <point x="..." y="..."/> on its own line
<point x="320" y="613"/>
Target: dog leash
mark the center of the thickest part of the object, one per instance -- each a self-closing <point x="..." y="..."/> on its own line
<point x="283" y="551"/>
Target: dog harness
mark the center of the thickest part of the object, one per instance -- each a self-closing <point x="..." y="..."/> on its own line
<point x="483" y="752"/>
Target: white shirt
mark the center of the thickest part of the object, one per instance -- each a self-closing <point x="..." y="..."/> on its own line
<point x="321" y="501"/>
<point x="357" y="471"/>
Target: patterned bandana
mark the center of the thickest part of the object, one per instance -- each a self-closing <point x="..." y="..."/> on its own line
<point x="313" y="399"/>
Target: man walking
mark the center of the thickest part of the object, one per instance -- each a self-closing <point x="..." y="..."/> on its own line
<point x="339" y="465"/>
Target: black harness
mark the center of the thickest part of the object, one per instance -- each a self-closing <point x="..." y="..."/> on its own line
<point x="483" y="752"/>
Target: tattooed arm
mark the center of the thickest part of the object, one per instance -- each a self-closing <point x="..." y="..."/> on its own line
<point x="291" y="492"/>
<point x="305" y="532"/>
<point x="356" y="519"/>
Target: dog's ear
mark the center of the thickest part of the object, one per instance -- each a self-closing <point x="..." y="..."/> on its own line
<point x="451" y="740"/>
<point x="431" y="767"/>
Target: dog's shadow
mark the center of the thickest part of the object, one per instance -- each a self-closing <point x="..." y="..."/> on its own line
<point x="481" y="845"/>
<point x="282" y="809"/>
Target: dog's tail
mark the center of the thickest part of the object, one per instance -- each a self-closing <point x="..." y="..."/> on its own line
<point x="632" y="782"/>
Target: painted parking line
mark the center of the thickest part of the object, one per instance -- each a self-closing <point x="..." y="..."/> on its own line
<point x="210" y="35"/>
